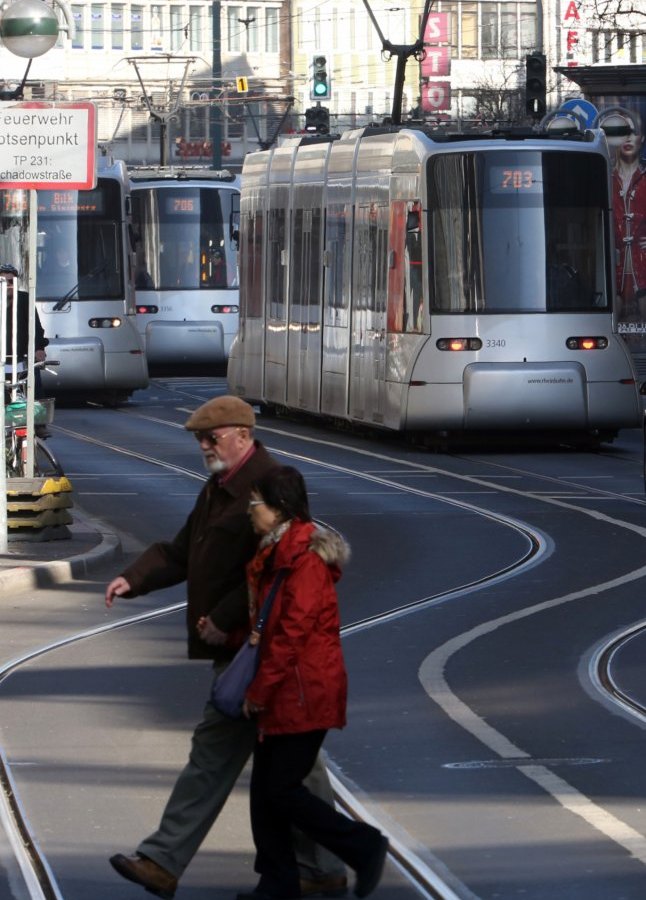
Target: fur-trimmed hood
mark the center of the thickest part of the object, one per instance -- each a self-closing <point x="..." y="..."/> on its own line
<point x="303" y="537"/>
<point x="330" y="545"/>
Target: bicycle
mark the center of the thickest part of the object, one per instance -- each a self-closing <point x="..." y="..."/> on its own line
<point x="16" y="437"/>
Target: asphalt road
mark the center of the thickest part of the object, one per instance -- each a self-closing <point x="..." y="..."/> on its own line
<point x="477" y="736"/>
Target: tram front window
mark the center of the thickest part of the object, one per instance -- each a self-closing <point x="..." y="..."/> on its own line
<point x="183" y="240"/>
<point x="518" y="231"/>
<point x="79" y="244"/>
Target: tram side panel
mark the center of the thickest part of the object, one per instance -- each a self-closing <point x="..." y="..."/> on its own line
<point x="278" y="273"/>
<point x="307" y="272"/>
<point x="337" y="258"/>
<point x="245" y="364"/>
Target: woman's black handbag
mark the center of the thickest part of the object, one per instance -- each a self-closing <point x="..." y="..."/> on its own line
<point x="230" y="687"/>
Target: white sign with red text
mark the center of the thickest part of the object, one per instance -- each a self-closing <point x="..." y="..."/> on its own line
<point x="573" y="30"/>
<point x="47" y="146"/>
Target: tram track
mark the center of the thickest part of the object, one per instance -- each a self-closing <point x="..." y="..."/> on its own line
<point x="415" y="869"/>
<point x="427" y="882"/>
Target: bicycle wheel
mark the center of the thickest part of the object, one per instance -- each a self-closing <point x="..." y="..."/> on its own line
<point x="45" y="463"/>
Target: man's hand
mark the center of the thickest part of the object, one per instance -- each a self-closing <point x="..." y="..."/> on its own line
<point x="117" y="588"/>
<point x="210" y="633"/>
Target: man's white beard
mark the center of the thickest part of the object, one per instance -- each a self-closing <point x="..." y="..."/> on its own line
<point x="214" y="465"/>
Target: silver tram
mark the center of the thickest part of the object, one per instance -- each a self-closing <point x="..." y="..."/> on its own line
<point x="186" y="230"/>
<point x="85" y="288"/>
<point x="433" y="283"/>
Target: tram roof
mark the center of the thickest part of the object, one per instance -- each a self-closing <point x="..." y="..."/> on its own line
<point x="443" y="135"/>
<point x="179" y="173"/>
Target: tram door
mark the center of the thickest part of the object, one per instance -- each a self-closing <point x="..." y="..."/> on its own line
<point x="368" y="357"/>
<point x="304" y="339"/>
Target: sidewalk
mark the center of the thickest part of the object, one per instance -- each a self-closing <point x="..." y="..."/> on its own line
<point x="32" y="564"/>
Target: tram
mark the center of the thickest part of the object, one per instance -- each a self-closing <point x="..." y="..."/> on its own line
<point x="85" y="289"/>
<point x="433" y="283"/>
<point x="186" y="232"/>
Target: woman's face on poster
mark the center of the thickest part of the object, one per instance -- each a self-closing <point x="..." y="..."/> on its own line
<point x="630" y="147"/>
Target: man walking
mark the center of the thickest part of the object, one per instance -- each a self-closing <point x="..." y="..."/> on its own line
<point x="210" y="553"/>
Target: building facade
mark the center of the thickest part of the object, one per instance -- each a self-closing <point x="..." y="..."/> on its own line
<point x="145" y="62"/>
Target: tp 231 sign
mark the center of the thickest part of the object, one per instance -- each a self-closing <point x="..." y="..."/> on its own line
<point x="47" y="146"/>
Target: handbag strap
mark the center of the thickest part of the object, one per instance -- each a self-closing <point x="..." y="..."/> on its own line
<point x="269" y="599"/>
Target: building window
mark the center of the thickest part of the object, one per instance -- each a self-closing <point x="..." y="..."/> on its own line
<point x="469" y="30"/>
<point x="116" y="25"/>
<point x="271" y="29"/>
<point x="77" y="15"/>
<point x="176" y="27"/>
<point x="97" y="16"/>
<point x="195" y="27"/>
<point x="527" y="27"/>
<point x="506" y="30"/>
<point x="252" y="26"/>
<point x="509" y="31"/>
<point x="489" y="30"/>
<point x="233" y="28"/>
<point x="137" y="27"/>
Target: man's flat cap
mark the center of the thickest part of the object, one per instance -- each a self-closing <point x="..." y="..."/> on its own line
<point x="221" y="411"/>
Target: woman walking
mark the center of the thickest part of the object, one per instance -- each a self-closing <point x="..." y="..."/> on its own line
<point x="299" y="691"/>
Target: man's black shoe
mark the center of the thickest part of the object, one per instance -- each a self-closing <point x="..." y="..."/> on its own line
<point x="326" y="886"/>
<point x="147" y="873"/>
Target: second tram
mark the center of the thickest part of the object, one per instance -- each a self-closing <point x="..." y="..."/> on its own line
<point x="85" y="289"/>
<point x="432" y="283"/>
<point x="186" y="232"/>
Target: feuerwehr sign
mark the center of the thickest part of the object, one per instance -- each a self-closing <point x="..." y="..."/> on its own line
<point x="47" y="146"/>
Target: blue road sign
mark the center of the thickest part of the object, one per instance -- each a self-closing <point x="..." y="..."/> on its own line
<point x="588" y="111"/>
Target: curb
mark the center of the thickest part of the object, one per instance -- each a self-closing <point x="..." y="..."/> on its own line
<point x="41" y="574"/>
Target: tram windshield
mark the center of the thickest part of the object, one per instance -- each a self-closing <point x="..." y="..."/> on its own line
<point x="518" y="231"/>
<point x="183" y="238"/>
<point x="80" y="246"/>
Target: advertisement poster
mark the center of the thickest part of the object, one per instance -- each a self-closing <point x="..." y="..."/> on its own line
<point x="628" y="156"/>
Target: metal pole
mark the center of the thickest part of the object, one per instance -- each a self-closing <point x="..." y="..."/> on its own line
<point x="216" y="114"/>
<point x="31" y="346"/>
<point x="4" y="537"/>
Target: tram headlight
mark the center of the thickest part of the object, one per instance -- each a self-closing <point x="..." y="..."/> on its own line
<point x="586" y="343"/>
<point x="225" y="308"/>
<point x="105" y="323"/>
<point x="147" y="310"/>
<point x="458" y="343"/>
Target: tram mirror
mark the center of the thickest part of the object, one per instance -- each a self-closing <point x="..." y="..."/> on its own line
<point x="234" y="221"/>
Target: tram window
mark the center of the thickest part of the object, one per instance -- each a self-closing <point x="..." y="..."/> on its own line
<point x="185" y="237"/>
<point x="80" y="243"/>
<point x="275" y="267"/>
<point x="306" y="287"/>
<point x="251" y="290"/>
<point x="514" y="230"/>
<point x="338" y="253"/>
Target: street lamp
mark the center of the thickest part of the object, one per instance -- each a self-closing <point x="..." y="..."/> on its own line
<point x="29" y="28"/>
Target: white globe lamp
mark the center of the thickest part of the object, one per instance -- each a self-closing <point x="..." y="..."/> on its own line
<point x="29" y="28"/>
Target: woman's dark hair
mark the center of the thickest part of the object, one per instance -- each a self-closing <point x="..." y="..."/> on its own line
<point x="283" y="488"/>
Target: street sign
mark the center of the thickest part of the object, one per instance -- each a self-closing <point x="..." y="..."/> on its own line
<point x="583" y="108"/>
<point x="242" y="85"/>
<point x="48" y="146"/>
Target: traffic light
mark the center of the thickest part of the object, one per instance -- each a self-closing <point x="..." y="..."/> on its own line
<point x="317" y="119"/>
<point x="320" y="83"/>
<point x="535" y="85"/>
